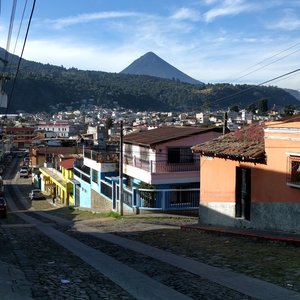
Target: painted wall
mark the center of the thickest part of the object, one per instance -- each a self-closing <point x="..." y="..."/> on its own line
<point x="217" y="179"/>
<point x="85" y="194"/>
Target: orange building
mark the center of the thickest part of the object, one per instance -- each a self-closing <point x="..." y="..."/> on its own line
<point x="251" y="178"/>
<point x="20" y="137"/>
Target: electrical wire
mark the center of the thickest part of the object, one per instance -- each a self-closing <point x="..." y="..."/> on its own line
<point x="254" y="86"/>
<point x="12" y="18"/>
<point x="262" y="67"/>
<point x="17" y="38"/>
<point x="266" y="59"/>
<point x="20" y="58"/>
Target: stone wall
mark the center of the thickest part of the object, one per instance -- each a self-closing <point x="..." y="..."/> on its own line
<point x="100" y="203"/>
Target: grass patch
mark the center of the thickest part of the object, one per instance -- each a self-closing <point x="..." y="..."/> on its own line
<point x="71" y="213"/>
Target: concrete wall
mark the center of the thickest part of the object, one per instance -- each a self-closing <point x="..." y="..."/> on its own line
<point x="276" y="216"/>
<point x="217" y="213"/>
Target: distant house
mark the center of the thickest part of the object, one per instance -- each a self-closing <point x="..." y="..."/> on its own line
<point x="19" y="137"/>
<point x="49" y="154"/>
<point x="62" y="128"/>
<point x="251" y="177"/>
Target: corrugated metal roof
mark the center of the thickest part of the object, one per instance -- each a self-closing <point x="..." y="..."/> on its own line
<point x="246" y="144"/>
<point x="163" y="134"/>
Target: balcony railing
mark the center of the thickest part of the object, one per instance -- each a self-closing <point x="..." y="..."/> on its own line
<point x="159" y="167"/>
<point x="101" y="157"/>
<point x="172" y="199"/>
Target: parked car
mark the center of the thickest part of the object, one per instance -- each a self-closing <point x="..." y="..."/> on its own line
<point x="3" y="207"/>
<point x="24" y="173"/>
<point x="36" y="194"/>
<point x="27" y="168"/>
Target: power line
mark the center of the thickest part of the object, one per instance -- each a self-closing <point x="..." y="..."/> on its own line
<point x="252" y="87"/>
<point x="262" y="67"/>
<point x="20" y="26"/>
<point x="12" y="17"/>
<point x="281" y="76"/>
<point x="20" y="58"/>
<point x="266" y="59"/>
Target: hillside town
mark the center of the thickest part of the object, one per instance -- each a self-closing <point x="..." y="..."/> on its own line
<point x="93" y="149"/>
<point x="149" y="150"/>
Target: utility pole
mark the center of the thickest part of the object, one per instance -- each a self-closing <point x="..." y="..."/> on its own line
<point x="225" y="123"/>
<point x="121" y="169"/>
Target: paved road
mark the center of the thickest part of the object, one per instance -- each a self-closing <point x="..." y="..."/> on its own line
<point x="57" y="260"/>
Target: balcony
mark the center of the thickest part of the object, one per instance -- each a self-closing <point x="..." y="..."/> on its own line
<point x="160" y="167"/>
<point x="101" y="157"/>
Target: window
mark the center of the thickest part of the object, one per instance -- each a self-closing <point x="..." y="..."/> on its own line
<point x="293" y="172"/>
<point x="128" y="149"/>
<point x="144" y="152"/>
<point x="95" y="176"/>
<point x="180" y="155"/>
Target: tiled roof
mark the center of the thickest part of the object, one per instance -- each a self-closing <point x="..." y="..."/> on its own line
<point x="67" y="163"/>
<point x="163" y="134"/>
<point x="246" y="144"/>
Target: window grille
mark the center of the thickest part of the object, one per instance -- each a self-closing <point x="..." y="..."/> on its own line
<point x="293" y="171"/>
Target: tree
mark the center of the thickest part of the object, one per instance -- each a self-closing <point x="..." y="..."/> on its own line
<point x="289" y="110"/>
<point x="263" y="106"/>
<point x="108" y="122"/>
<point x="251" y="108"/>
<point x="234" y="108"/>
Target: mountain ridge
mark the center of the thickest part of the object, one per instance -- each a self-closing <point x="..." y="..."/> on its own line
<point x="45" y="87"/>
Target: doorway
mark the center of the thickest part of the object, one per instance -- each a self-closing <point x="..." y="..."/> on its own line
<point x="243" y="193"/>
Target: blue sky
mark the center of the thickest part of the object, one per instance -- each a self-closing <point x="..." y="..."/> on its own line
<point x="235" y="41"/>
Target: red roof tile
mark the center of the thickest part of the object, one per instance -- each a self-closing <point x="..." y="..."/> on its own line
<point x="67" y="163"/>
<point x="246" y="144"/>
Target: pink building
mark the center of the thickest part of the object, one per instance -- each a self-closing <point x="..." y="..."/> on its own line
<point x="251" y="178"/>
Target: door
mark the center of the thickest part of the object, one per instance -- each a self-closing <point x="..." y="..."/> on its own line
<point x="77" y="195"/>
<point x="243" y="193"/>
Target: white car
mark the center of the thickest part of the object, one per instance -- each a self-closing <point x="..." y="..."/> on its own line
<point x="24" y="173"/>
<point x="36" y="194"/>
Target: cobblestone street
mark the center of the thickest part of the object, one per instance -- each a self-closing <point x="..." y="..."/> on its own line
<point x="39" y="243"/>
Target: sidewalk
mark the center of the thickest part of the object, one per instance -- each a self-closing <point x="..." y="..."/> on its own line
<point x="276" y="236"/>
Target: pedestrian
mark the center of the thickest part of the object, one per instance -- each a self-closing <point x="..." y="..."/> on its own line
<point x="53" y="199"/>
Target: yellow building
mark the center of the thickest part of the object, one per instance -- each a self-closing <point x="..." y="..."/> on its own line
<point x="59" y="184"/>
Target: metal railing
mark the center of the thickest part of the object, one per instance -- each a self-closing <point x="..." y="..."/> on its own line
<point x="154" y="199"/>
<point x="106" y="189"/>
<point x="169" y="199"/>
<point x="127" y="197"/>
<point x="101" y="157"/>
<point x="165" y="167"/>
<point x="159" y="167"/>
